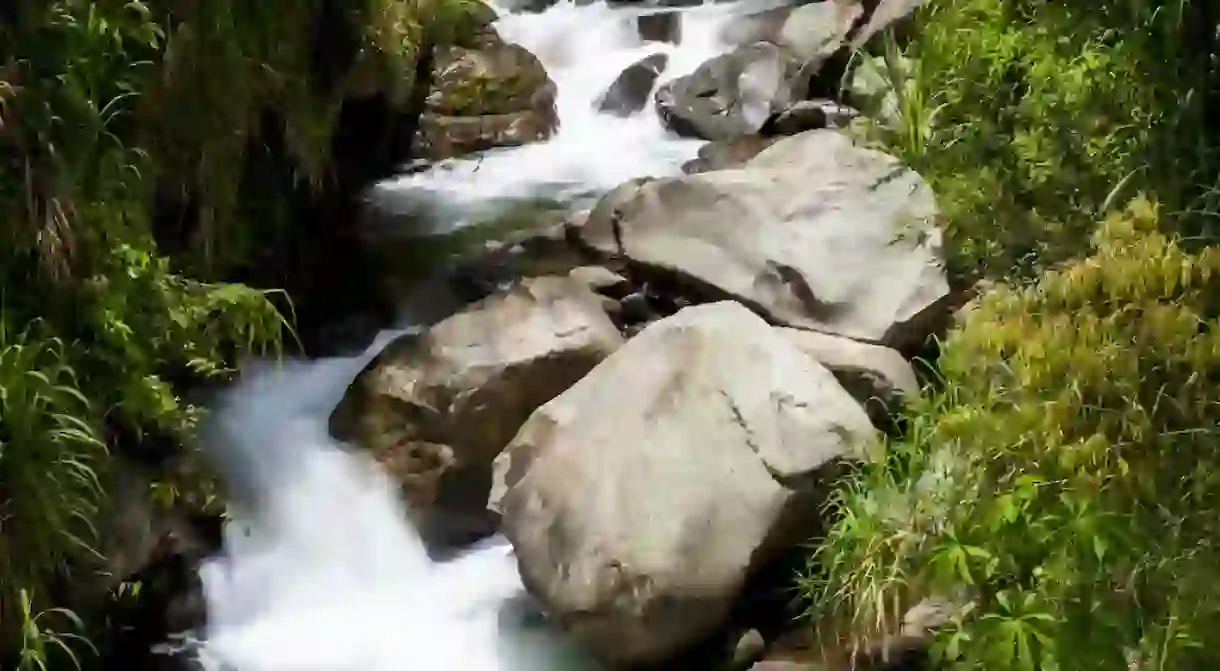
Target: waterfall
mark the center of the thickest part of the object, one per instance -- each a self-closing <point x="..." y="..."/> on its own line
<point x="320" y="569"/>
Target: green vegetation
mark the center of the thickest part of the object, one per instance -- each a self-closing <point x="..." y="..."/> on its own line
<point x="1059" y="484"/>
<point x="107" y="315"/>
<point x="1032" y="118"/>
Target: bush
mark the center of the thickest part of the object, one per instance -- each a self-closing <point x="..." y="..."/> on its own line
<point x="1063" y="485"/>
<point x="1032" y="118"/>
<point x="104" y="103"/>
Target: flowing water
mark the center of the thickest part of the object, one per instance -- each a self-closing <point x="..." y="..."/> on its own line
<point x="320" y="571"/>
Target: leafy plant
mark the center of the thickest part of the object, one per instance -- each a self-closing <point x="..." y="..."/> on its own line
<point x="1032" y="118"/>
<point x="1062" y="487"/>
<point x="50" y="454"/>
<point x="106" y="106"/>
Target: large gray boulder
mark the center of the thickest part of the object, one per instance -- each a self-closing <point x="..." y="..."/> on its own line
<point x="815" y="232"/>
<point x="878" y="377"/>
<point x="732" y="94"/>
<point x="436" y="408"/>
<point x="629" y="92"/>
<point x="639" y="500"/>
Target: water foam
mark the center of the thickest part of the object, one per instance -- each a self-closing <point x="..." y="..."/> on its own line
<point x="583" y="47"/>
<point x="320" y="569"/>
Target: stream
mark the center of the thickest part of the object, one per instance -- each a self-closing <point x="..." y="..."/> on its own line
<point x="320" y="570"/>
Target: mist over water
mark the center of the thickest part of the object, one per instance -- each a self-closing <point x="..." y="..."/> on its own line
<point x="321" y="570"/>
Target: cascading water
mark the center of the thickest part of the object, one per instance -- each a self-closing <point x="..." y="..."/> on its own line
<point x="320" y="569"/>
<point x="583" y="47"/>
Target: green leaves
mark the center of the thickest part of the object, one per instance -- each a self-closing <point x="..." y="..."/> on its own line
<point x="1062" y="482"/>
<point x="1029" y="118"/>
<point x="50" y="453"/>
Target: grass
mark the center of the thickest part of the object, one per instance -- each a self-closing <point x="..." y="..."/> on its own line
<point x="105" y="104"/>
<point x="1058" y="483"/>
<point x="1062" y="487"/>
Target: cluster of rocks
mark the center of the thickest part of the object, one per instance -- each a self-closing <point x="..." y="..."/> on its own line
<point x="653" y="418"/>
<point x="782" y="75"/>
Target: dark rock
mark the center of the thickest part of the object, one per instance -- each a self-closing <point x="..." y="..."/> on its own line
<point x="602" y="280"/>
<point x="532" y="6"/>
<point x="636" y="308"/>
<point x="732" y="94"/>
<point x="629" y="92"/>
<point x="660" y="27"/>
<point x="727" y="154"/>
<point x="748" y="649"/>
<point x="810" y="115"/>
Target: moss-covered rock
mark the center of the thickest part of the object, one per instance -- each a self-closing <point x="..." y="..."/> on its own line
<point x="489" y="94"/>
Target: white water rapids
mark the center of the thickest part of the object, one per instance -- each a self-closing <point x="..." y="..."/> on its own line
<point x="320" y="570"/>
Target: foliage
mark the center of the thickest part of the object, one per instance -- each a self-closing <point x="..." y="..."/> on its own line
<point x="49" y="454"/>
<point x="1031" y="118"/>
<point x="105" y="107"/>
<point x="1063" y="484"/>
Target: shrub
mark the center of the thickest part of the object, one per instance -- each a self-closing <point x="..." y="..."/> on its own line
<point x="1031" y="118"/>
<point x="102" y="104"/>
<point x="1063" y="486"/>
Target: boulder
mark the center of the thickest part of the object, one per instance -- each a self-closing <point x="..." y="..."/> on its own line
<point x="814" y="34"/>
<point x="493" y="94"/>
<point x="601" y="280"/>
<point x="810" y="115"/>
<point x="878" y="377"/>
<point x="663" y="26"/>
<point x="881" y="15"/>
<point x="732" y="94"/>
<point x="726" y="154"/>
<point x="629" y="92"/>
<point x="760" y="26"/>
<point x="640" y="500"/>
<point x="815" y="31"/>
<point x="815" y="232"/>
<point x="436" y="408"/>
<point x="811" y="31"/>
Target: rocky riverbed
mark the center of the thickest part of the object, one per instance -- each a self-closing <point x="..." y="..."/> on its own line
<point x="650" y="390"/>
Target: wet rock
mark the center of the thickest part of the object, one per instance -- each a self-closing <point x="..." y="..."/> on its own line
<point x="814" y="232"/>
<point x="815" y="34"/>
<point x="727" y="154"/>
<point x="815" y="31"/>
<point x="883" y="14"/>
<point x="635" y="308"/>
<point x="732" y="94"/>
<point x="640" y="500"/>
<point x="878" y="377"/>
<point x="601" y="280"/>
<point x="436" y="408"/>
<point x="660" y="27"/>
<point x="810" y="115"/>
<point x="749" y="649"/>
<point x="629" y="92"/>
<point x="527" y="5"/>
<point x="763" y="26"/>
<point x="495" y="94"/>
